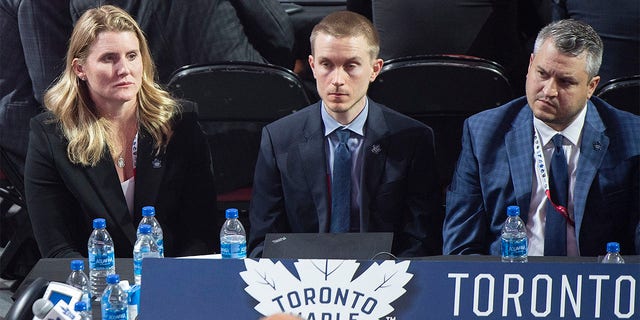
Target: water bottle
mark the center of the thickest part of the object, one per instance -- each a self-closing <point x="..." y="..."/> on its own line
<point x="149" y="217"/>
<point x="514" y="237"/>
<point x="82" y="310"/>
<point x="114" y="300"/>
<point x="102" y="260"/>
<point x="233" y="243"/>
<point x="145" y="247"/>
<point x="613" y="253"/>
<point x="79" y="279"/>
<point x="133" y="301"/>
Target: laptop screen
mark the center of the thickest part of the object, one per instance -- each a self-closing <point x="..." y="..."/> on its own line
<point x="359" y="246"/>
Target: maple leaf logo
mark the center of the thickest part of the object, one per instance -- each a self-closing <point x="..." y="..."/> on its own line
<point x="326" y="286"/>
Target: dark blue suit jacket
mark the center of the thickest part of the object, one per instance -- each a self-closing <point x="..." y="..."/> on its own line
<point x="399" y="185"/>
<point x="495" y="170"/>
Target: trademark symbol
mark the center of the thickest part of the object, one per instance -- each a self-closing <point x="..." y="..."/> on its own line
<point x="391" y="318"/>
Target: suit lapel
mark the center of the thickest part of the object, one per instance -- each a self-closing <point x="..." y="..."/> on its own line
<point x="375" y="155"/>
<point x="150" y="168"/>
<point x="105" y="181"/>
<point x="314" y="164"/>
<point x="593" y="147"/>
<point x="519" y="143"/>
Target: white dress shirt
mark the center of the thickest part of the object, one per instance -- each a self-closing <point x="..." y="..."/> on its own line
<point x="538" y="206"/>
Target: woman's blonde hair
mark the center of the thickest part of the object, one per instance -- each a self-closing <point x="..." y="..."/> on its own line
<point x="69" y="100"/>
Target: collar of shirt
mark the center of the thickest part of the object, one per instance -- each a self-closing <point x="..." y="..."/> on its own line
<point x="571" y="133"/>
<point x="356" y="126"/>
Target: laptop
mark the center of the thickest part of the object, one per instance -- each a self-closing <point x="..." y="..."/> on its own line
<point x="358" y="246"/>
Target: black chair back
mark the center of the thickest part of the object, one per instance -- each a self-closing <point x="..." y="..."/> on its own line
<point x="622" y="93"/>
<point x="240" y="91"/>
<point x="498" y="30"/>
<point x="442" y="91"/>
<point x="234" y="101"/>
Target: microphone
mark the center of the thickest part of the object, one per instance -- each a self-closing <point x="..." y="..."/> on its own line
<point x="43" y="309"/>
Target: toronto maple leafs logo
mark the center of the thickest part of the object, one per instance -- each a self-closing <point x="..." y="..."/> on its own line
<point x="326" y="288"/>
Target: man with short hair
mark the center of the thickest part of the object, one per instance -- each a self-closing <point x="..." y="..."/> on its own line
<point x="569" y="160"/>
<point x="346" y="163"/>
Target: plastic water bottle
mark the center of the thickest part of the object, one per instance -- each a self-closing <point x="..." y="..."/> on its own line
<point x="133" y="301"/>
<point x="233" y="243"/>
<point x="102" y="260"/>
<point x="149" y="217"/>
<point x="145" y="247"/>
<point x="114" y="300"/>
<point x="613" y="253"/>
<point x="515" y="244"/>
<point x="82" y="310"/>
<point x="79" y="279"/>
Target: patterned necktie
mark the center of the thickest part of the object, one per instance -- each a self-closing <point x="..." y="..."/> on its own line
<point x="555" y="231"/>
<point x="341" y="185"/>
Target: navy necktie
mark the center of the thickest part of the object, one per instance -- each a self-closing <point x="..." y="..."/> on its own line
<point x="341" y="185"/>
<point x="555" y="231"/>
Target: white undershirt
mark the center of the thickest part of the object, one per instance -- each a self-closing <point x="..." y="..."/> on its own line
<point x="538" y="206"/>
<point x="128" y="188"/>
<point x="129" y="185"/>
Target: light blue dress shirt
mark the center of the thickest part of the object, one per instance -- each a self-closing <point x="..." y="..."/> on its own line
<point x="356" y="140"/>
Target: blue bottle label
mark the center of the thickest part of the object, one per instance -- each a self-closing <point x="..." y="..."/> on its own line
<point x="233" y="250"/>
<point x="160" y="243"/>
<point x="138" y="256"/>
<point x="116" y="314"/>
<point x="514" y="247"/>
<point x="101" y="260"/>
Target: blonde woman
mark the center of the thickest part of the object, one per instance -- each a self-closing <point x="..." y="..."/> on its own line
<point x="112" y="142"/>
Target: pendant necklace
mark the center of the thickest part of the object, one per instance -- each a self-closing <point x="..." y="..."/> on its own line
<point x="120" y="161"/>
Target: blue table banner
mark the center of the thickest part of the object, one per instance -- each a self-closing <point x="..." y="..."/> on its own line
<point x="391" y="290"/>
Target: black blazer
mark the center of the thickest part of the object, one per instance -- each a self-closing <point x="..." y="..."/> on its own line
<point x="399" y="185"/>
<point x="63" y="198"/>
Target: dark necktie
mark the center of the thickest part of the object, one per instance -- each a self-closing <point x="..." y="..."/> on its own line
<point x="555" y="231"/>
<point x="341" y="185"/>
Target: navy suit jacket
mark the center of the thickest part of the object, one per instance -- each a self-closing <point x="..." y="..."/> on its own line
<point x="399" y="185"/>
<point x="495" y="170"/>
<point x="63" y="198"/>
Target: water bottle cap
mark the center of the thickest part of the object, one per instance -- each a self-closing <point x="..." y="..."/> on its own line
<point x="113" y="278"/>
<point x="513" y="211"/>
<point x="613" y="247"/>
<point x="144" y="229"/>
<point x="231" y="213"/>
<point x="80" y="306"/>
<point x="99" y="223"/>
<point x="77" y="265"/>
<point x="148" y="211"/>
